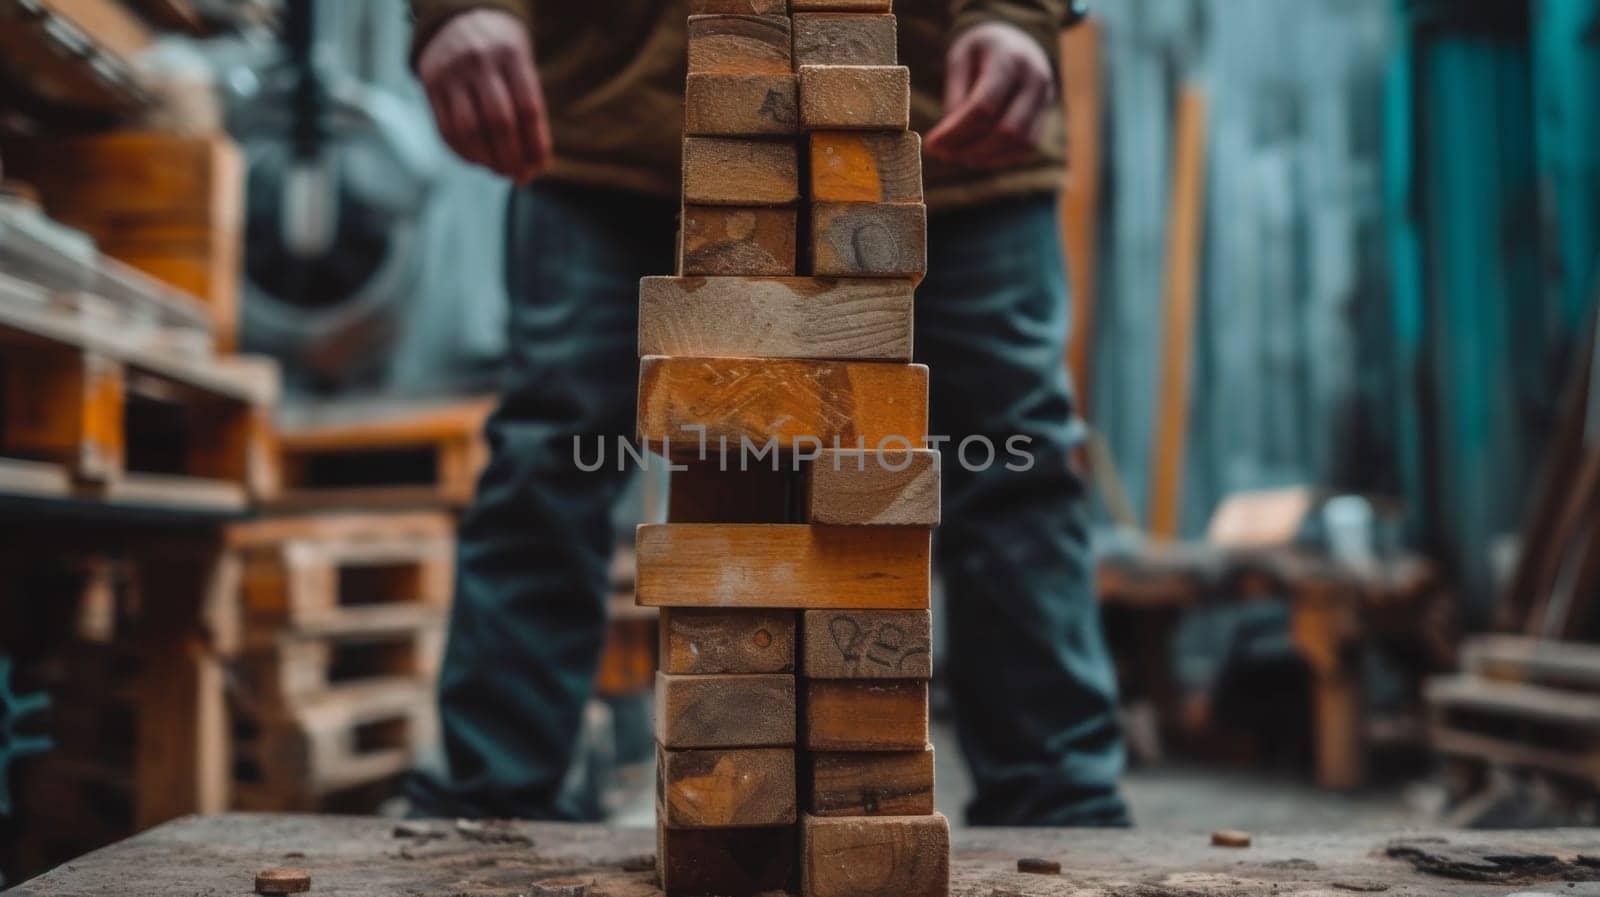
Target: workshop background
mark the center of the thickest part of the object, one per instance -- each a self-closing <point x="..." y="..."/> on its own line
<point x="1334" y="267"/>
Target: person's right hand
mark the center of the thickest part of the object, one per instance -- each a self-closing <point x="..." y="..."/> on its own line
<point x="481" y="80"/>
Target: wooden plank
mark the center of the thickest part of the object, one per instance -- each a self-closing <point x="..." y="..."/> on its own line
<point x="740" y="44"/>
<point x="701" y="642"/>
<point x="841" y="5"/>
<point x="1184" y="248"/>
<point x="835" y="39"/>
<point x="866" y="166"/>
<point x="845" y="404"/>
<point x="1515" y="701"/>
<point x="739" y="7"/>
<point x="725" y="711"/>
<point x="64" y="405"/>
<point x="802" y="567"/>
<point x="727" y="171"/>
<point x="867" y="319"/>
<point x="866" y="715"/>
<point x="738" y="241"/>
<point x="739" y="862"/>
<point x="741" y="105"/>
<point x="107" y="22"/>
<point x="868" y="644"/>
<point x="875" y="783"/>
<point x="1512" y="658"/>
<point x="891" y="488"/>
<point x="726" y="789"/>
<point x="1080" y="206"/>
<point x="852" y="97"/>
<point x="869" y="239"/>
<point x="899" y="856"/>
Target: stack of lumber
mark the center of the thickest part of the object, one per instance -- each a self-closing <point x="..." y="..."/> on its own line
<point x="171" y="206"/>
<point x="340" y="636"/>
<point x="111" y="386"/>
<point x="791" y="703"/>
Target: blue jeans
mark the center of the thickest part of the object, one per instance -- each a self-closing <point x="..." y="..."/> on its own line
<point x="1027" y="664"/>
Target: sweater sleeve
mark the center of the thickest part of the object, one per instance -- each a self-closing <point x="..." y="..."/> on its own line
<point x="430" y="16"/>
<point x="1043" y="20"/>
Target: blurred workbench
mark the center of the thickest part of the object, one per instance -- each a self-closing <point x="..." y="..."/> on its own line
<point x="219" y="855"/>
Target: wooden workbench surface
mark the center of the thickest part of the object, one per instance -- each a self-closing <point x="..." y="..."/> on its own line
<point x="219" y="855"/>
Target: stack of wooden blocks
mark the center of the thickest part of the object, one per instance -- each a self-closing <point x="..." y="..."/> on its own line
<point x="793" y="576"/>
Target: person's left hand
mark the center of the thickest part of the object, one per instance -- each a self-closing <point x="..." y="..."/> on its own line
<point x="997" y="99"/>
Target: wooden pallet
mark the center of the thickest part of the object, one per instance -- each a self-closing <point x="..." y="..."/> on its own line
<point x="346" y="739"/>
<point x="1520" y="725"/>
<point x="301" y="665"/>
<point x="383" y="453"/>
<point x="349" y="570"/>
<point x="88" y="412"/>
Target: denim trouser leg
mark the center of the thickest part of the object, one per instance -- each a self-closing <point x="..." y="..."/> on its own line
<point x="1033" y="683"/>
<point x="529" y="616"/>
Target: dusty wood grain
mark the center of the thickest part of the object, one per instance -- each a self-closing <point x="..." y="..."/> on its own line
<point x="868" y="644"/>
<point x="900" y="856"/>
<point x="708" y="565"/>
<point x="800" y="317"/>
<point x="725" y="711"/>
<point x="708" y="492"/>
<point x="841" y="5"/>
<point x="890" y="488"/>
<point x="866" y="715"/>
<point x="898" y="783"/>
<point x="703" y="642"/>
<point x="726" y="789"/>
<point x="849" y="97"/>
<point x="740" y="44"/>
<point x="214" y="855"/>
<point x="741" y="862"/>
<point x="869" y="239"/>
<point x="845" y="39"/>
<point x="735" y="241"/>
<point x="844" y="403"/>
<point x="866" y="166"/>
<point x="728" y="171"/>
<point x="736" y="105"/>
<point x="739" y="7"/>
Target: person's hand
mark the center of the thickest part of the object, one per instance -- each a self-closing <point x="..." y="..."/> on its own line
<point x="997" y="98"/>
<point x="481" y="80"/>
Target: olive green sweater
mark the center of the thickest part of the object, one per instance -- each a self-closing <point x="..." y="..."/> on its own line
<point x="613" y="73"/>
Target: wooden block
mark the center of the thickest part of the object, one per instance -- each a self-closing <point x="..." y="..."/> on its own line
<point x="62" y="405"/>
<point x="841" y="5"/>
<point x="738" y="44"/>
<point x="740" y="862"/>
<point x="725" y="711"/>
<point x="866" y="715"/>
<point x="731" y="241"/>
<point x="866" y="166"/>
<point x="897" y="856"/>
<point x="726" y="789"/>
<point x="863" y="240"/>
<point x="845" y="39"/>
<point x="723" y="171"/>
<point x="801" y="567"/>
<point x="738" y="105"/>
<point x="798" y="317"/>
<point x="704" y="492"/>
<point x="843" y="402"/>
<point x="850" y="97"/>
<point x="872" y="784"/>
<point x="868" y="644"/>
<point x="890" y="488"/>
<point x="739" y="7"/>
<point x="702" y="642"/>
